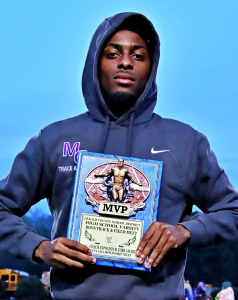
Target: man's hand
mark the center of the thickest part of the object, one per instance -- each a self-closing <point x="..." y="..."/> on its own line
<point x="63" y="253"/>
<point x="158" y="240"/>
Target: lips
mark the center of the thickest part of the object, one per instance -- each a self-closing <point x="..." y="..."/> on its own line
<point x="124" y="78"/>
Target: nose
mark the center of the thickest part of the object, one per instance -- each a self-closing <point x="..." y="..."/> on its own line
<point x="125" y="62"/>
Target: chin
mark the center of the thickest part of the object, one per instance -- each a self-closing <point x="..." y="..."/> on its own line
<point x="119" y="102"/>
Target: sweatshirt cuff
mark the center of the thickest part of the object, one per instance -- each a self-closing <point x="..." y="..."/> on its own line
<point x="198" y="232"/>
<point x="28" y="243"/>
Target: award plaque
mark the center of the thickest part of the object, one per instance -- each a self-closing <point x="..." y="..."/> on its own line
<point x="115" y="199"/>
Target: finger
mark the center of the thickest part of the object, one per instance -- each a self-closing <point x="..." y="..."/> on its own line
<point x="167" y="242"/>
<point x="154" y="246"/>
<point x="150" y="240"/>
<point x="64" y="262"/>
<point x="78" y="256"/>
<point x="73" y="250"/>
<point x="63" y="257"/>
<point x="76" y="246"/>
<point x="158" y="252"/>
<point x="157" y="229"/>
<point x="145" y="239"/>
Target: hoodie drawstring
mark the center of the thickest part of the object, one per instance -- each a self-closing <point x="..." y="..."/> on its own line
<point x="104" y="134"/>
<point x="130" y="134"/>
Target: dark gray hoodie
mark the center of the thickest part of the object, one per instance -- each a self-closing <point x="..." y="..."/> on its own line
<point x="191" y="175"/>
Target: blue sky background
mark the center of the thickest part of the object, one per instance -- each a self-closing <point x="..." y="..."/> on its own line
<point x="43" y="45"/>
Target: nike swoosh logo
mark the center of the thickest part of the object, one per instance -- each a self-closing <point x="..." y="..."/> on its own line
<point x="159" y="151"/>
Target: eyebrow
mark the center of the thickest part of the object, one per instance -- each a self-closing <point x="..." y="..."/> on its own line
<point x="119" y="46"/>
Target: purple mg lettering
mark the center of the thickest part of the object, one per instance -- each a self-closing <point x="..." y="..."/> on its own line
<point x="68" y="151"/>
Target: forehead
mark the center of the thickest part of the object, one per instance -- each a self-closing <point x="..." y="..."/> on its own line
<point x="127" y="37"/>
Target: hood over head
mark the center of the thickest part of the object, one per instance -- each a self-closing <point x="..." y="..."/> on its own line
<point x="95" y="103"/>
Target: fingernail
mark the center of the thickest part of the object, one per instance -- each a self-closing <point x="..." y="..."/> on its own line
<point x="93" y="260"/>
<point x="138" y="252"/>
<point x="89" y="251"/>
<point x="140" y="260"/>
<point x="148" y="264"/>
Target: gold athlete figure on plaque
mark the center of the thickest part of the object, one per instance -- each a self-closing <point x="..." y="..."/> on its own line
<point x="120" y="174"/>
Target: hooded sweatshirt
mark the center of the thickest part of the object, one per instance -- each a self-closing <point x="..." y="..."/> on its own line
<point x="191" y="175"/>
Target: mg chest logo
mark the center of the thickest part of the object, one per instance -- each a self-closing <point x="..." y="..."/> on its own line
<point x="71" y="151"/>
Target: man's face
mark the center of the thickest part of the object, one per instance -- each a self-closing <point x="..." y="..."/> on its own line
<point x="125" y="64"/>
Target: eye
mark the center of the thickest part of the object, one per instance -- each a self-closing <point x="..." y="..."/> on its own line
<point x="138" y="56"/>
<point x="112" y="55"/>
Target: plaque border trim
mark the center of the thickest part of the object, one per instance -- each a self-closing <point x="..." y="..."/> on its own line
<point x="75" y="216"/>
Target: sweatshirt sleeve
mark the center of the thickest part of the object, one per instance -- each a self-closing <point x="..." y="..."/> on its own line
<point x="27" y="183"/>
<point x="210" y="189"/>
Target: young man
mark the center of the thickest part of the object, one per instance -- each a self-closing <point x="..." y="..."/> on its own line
<point x="120" y="92"/>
